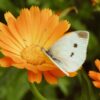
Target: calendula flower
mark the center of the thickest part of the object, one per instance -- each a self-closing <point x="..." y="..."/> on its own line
<point x="22" y="40"/>
<point x="96" y="75"/>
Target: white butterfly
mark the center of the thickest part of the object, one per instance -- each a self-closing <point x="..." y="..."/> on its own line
<point x="69" y="52"/>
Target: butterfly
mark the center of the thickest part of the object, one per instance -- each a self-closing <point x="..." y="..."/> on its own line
<point x="69" y="52"/>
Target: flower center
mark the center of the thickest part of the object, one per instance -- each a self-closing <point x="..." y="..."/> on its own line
<point x="33" y="55"/>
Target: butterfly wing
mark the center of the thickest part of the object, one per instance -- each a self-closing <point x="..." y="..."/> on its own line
<point x="69" y="52"/>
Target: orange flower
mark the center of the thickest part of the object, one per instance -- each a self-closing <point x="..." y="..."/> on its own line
<point x="22" y="40"/>
<point x="96" y="75"/>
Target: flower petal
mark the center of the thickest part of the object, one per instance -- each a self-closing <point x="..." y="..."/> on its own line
<point x="14" y="57"/>
<point x="96" y="84"/>
<point x="32" y="68"/>
<point x="8" y="48"/>
<point x="20" y="66"/>
<point x="50" y="26"/>
<point x="27" y="66"/>
<point x="57" y="72"/>
<point x="72" y="74"/>
<point x="57" y="33"/>
<point x="45" y="15"/>
<point x="46" y="67"/>
<point x="12" y="27"/>
<point x="97" y="63"/>
<point x="6" y="62"/>
<point x="34" y="77"/>
<point x="50" y="78"/>
<point x="94" y="75"/>
<point x="35" y="15"/>
<point x="7" y="41"/>
<point x="24" y="26"/>
<point x="5" y="31"/>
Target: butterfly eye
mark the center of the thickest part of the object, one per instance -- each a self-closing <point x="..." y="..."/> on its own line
<point x="75" y="45"/>
<point x="71" y="54"/>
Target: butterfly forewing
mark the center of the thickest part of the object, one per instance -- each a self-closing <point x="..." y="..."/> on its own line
<point x="69" y="52"/>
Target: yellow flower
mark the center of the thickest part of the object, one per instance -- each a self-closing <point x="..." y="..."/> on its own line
<point x="22" y="40"/>
<point x="96" y="75"/>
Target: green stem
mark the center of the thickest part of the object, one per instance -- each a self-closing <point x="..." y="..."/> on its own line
<point x="36" y="93"/>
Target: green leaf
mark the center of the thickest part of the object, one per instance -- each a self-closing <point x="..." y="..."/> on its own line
<point x="7" y="5"/>
<point x="93" y="48"/>
<point x="14" y="85"/>
<point x="33" y="2"/>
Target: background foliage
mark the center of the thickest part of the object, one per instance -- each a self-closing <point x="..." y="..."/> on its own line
<point x="83" y="15"/>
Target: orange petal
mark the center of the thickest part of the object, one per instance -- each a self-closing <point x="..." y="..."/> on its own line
<point x="57" y="72"/>
<point x="14" y="57"/>
<point x="24" y="26"/>
<point x="26" y="66"/>
<point x="5" y="62"/>
<point x="32" y="77"/>
<point x="72" y="74"/>
<point x="96" y="84"/>
<point x="32" y="68"/>
<point x="35" y="18"/>
<point x="97" y="63"/>
<point x="46" y="67"/>
<point x="57" y="33"/>
<point x="9" y="15"/>
<point x="45" y="15"/>
<point x="20" y="66"/>
<point x="4" y="29"/>
<point x="94" y="75"/>
<point x="7" y="41"/>
<point x="50" y="26"/>
<point x="12" y="27"/>
<point x="8" y="48"/>
<point x="50" y="78"/>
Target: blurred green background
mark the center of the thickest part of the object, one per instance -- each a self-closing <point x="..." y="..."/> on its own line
<point x="83" y="15"/>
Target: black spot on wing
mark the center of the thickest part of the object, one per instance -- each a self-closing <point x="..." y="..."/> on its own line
<point x="75" y="45"/>
<point x="72" y="54"/>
